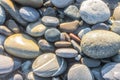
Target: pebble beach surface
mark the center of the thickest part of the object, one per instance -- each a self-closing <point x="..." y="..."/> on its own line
<point x="59" y="39"/>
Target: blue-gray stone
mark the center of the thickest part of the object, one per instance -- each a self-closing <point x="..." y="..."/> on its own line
<point x="2" y="15"/>
<point x="100" y="26"/>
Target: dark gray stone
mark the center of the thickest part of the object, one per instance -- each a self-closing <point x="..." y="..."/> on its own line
<point x="2" y="15"/>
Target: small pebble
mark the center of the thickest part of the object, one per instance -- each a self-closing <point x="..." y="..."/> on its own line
<point x="64" y="36"/>
<point x="116" y="58"/>
<point x="18" y="77"/>
<point x="2" y="39"/>
<point x="77" y="58"/>
<point x="2" y="15"/>
<point x="17" y="63"/>
<point x="56" y="78"/>
<point x="74" y="37"/>
<point x="50" y="12"/>
<point x="100" y="26"/>
<point x="62" y="44"/>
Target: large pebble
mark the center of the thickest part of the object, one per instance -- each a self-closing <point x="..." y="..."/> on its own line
<point x="2" y="15"/>
<point x="48" y="65"/>
<point x="61" y="3"/>
<point x="24" y="46"/>
<point x="79" y="72"/>
<point x="94" y="11"/>
<point x="6" y="64"/>
<point x="66" y="52"/>
<point x="100" y="44"/>
<point x="116" y="12"/>
<point x="29" y="14"/>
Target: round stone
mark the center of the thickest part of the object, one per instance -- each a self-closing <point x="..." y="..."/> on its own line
<point x="32" y="3"/>
<point x="50" y="21"/>
<point x="100" y="26"/>
<point x="62" y="3"/>
<point x="17" y="77"/>
<point x="49" y="65"/>
<point x="29" y="14"/>
<point x="2" y="15"/>
<point x="100" y="44"/>
<point x="52" y="35"/>
<point x="36" y="29"/>
<point x="94" y="11"/>
<point x="111" y="71"/>
<point x="116" y="12"/>
<point x="21" y="45"/>
<point x="6" y="64"/>
<point x="66" y="52"/>
<point x="79" y="72"/>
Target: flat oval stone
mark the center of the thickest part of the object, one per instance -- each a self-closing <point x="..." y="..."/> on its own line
<point x="62" y="44"/>
<point x="79" y="72"/>
<point x="49" y="65"/>
<point x="2" y="15"/>
<point x="66" y="52"/>
<point x="36" y="29"/>
<point x="52" y="34"/>
<point x="21" y="45"/>
<point x="61" y="3"/>
<point x="115" y="27"/>
<point x="50" y="21"/>
<point x="29" y="14"/>
<point x="100" y="44"/>
<point x="6" y="64"/>
<point x="100" y="26"/>
<point x="94" y="11"/>
<point x="116" y="12"/>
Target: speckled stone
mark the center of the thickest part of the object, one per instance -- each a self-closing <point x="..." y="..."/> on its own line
<point x="48" y="65"/>
<point x="29" y="14"/>
<point x="61" y="4"/>
<point x="52" y="35"/>
<point x="36" y="29"/>
<point x="83" y="32"/>
<point x="116" y="12"/>
<point x="100" y="26"/>
<point x="50" y="21"/>
<point x="100" y="44"/>
<point x="94" y="11"/>
<point x="79" y="72"/>
<point x="24" y="46"/>
<point x="62" y="44"/>
<point x="2" y="15"/>
<point x="6" y="64"/>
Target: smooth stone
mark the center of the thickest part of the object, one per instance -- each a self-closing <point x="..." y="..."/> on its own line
<point x="36" y="29"/>
<point x="116" y="12"/>
<point x="29" y="14"/>
<point x="69" y="26"/>
<point x="100" y="26"/>
<point x="89" y="62"/>
<point x="17" y="63"/>
<point x="13" y="26"/>
<point x="111" y="71"/>
<point x="115" y="27"/>
<point x="79" y="72"/>
<point x="50" y="21"/>
<point x="62" y="44"/>
<point x="24" y="46"/>
<point x="74" y="37"/>
<point x="94" y="11"/>
<point x="62" y="4"/>
<point x="2" y="15"/>
<point x="49" y="12"/>
<point x="6" y="64"/>
<point x="52" y="34"/>
<point x="99" y="44"/>
<point x="2" y="39"/>
<point x="77" y="58"/>
<point x="1" y="49"/>
<point x="64" y="36"/>
<point x="18" y="77"/>
<point x="46" y="46"/>
<point x="32" y="3"/>
<point x="116" y="58"/>
<point x="49" y="65"/>
<point x="66" y="52"/>
<point x="10" y="7"/>
<point x="83" y="32"/>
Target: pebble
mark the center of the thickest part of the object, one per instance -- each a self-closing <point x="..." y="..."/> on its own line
<point x="83" y="32"/>
<point x="100" y="44"/>
<point x="77" y="58"/>
<point x="64" y="36"/>
<point x="18" y="77"/>
<point x="49" y="12"/>
<point x="17" y="63"/>
<point x="82" y="70"/>
<point x="66" y="52"/>
<point x="36" y="29"/>
<point x="69" y="26"/>
<point x="116" y="12"/>
<point x="11" y="8"/>
<point x="72" y="12"/>
<point x="116" y="58"/>
<point x="62" y="4"/>
<point x="111" y="71"/>
<point x="46" y="46"/>
<point x="94" y="11"/>
<point x="89" y="62"/>
<point x="100" y="26"/>
<point x="2" y="39"/>
<point x="63" y="44"/>
<point x="24" y="46"/>
<point x="13" y="26"/>
<point x="29" y="14"/>
<point x="49" y="65"/>
<point x="2" y="15"/>
<point x="74" y="37"/>
<point x="50" y="21"/>
<point x="56" y="78"/>
<point x="1" y="49"/>
<point x="6" y="64"/>
<point x="52" y="35"/>
<point x="32" y="3"/>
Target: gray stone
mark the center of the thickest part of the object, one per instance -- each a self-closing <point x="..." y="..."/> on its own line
<point x="56" y="78"/>
<point x="94" y="11"/>
<point x="18" y="77"/>
<point x="17" y="63"/>
<point x="49" y="12"/>
<point x="2" y="39"/>
<point x="2" y="15"/>
<point x="100" y="26"/>
<point x="29" y="14"/>
<point x="100" y="44"/>
<point x="116" y="58"/>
